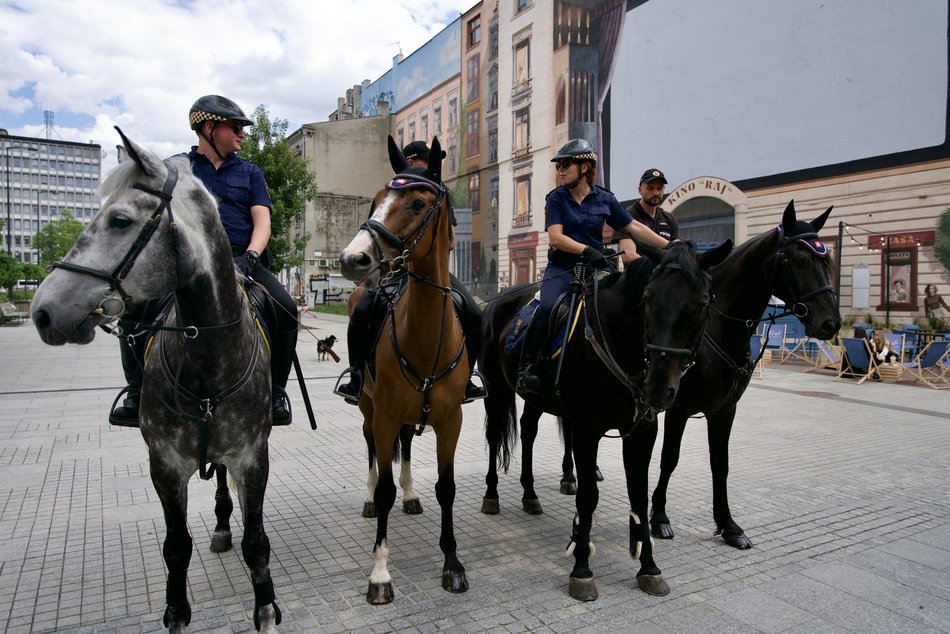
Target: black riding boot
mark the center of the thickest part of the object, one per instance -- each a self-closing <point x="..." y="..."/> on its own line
<point x="528" y="380"/>
<point x="133" y="358"/>
<point x="281" y="361"/>
<point x="356" y="344"/>
<point x="470" y="316"/>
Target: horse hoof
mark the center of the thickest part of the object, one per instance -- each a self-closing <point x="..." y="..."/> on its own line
<point x="379" y="593"/>
<point x="598" y="474"/>
<point x="490" y="506"/>
<point x="569" y="488"/>
<point x="410" y="507"/>
<point x="454" y="581"/>
<point x="532" y="506"/>
<point x="653" y="585"/>
<point x="739" y="541"/>
<point x="176" y="619"/>
<point x="661" y="531"/>
<point x="369" y="509"/>
<point x="583" y="589"/>
<point x="221" y="542"/>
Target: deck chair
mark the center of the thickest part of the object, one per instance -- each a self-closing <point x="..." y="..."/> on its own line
<point x="795" y="343"/>
<point x="895" y="341"/>
<point x="755" y="348"/>
<point x="855" y="360"/>
<point x="932" y="365"/>
<point x="827" y="357"/>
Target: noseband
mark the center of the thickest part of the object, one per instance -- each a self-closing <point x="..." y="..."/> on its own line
<point x="405" y="245"/>
<point x="118" y="274"/>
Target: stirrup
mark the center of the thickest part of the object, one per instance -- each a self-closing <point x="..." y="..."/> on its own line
<point x="354" y="375"/>
<point x="122" y="421"/>
<point x="483" y="388"/>
<point x="279" y="397"/>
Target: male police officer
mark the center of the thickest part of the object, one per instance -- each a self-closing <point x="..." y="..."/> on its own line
<point x="647" y="210"/>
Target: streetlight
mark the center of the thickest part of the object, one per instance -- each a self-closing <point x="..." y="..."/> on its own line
<point x="6" y="154"/>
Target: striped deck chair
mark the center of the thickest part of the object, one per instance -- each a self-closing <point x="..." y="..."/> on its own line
<point x="827" y="357"/>
<point x="856" y="360"/>
<point x="932" y="365"/>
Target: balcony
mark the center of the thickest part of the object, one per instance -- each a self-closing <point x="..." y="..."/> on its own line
<point x="521" y="152"/>
<point x="523" y="220"/>
<point x="521" y="87"/>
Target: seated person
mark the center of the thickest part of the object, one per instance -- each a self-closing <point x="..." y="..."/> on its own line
<point x="881" y="350"/>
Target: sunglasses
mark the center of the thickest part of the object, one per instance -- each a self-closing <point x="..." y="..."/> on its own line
<point x="237" y="127"/>
<point x="564" y="163"/>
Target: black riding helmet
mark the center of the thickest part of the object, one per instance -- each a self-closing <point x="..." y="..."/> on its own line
<point x="216" y="109"/>
<point x="577" y="149"/>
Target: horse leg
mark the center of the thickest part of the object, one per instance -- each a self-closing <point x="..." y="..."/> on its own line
<point x="529" y="433"/>
<point x="171" y="485"/>
<point x="674" y="426"/>
<point x="223" y="507"/>
<point x="568" y="481"/>
<point x="372" y="476"/>
<point x="500" y="424"/>
<point x="410" y="499"/>
<point x="581" y="585"/>
<point x="718" y="429"/>
<point x="637" y="450"/>
<point x="251" y="478"/>
<point x="380" y="590"/>
<point x="447" y="436"/>
<point x="490" y="504"/>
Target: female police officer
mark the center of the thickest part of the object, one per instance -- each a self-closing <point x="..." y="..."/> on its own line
<point x="575" y="214"/>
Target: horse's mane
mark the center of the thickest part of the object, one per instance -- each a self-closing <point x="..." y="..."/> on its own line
<point x="683" y="256"/>
<point x="127" y="174"/>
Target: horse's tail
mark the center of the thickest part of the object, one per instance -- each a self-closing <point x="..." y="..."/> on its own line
<point x="501" y="420"/>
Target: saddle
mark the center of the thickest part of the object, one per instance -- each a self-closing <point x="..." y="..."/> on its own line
<point x="560" y="327"/>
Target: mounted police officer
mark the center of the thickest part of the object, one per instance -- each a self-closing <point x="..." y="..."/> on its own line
<point x="369" y="310"/>
<point x="574" y="218"/>
<point x="245" y="208"/>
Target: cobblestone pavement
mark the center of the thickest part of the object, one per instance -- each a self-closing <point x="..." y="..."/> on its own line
<point x="842" y="489"/>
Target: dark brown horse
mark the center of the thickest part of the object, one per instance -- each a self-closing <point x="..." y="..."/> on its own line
<point x="789" y="262"/>
<point x="638" y="340"/>
<point x="421" y="366"/>
<point x="206" y="391"/>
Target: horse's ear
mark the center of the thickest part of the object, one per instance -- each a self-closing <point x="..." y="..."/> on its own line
<point x="435" y="160"/>
<point x="396" y="158"/>
<point x="715" y="256"/>
<point x="148" y="163"/>
<point x="788" y="219"/>
<point x="651" y="252"/>
<point x="819" y="222"/>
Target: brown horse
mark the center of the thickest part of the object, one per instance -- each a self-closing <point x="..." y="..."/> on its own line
<point x="421" y="366"/>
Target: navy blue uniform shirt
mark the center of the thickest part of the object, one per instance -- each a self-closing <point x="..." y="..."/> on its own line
<point x="238" y="185"/>
<point x="584" y="222"/>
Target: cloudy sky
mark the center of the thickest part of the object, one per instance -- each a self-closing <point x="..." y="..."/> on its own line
<point x="140" y="64"/>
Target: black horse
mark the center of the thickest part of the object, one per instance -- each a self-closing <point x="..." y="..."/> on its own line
<point x="639" y="339"/>
<point x="789" y="262"/>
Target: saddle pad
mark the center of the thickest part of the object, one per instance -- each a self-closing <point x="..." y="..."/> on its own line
<point x="514" y="340"/>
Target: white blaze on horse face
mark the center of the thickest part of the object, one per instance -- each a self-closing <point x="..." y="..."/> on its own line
<point x="362" y="242"/>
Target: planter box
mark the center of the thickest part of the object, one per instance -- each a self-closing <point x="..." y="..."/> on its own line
<point x="890" y="372"/>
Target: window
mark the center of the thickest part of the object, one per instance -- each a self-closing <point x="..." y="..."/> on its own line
<point x="452" y="157"/>
<point x="424" y="127"/>
<point x="437" y="119"/>
<point x="471" y="134"/>
<point x="493" y="190"/>
<point x="473" y="197"/>
<point x="522" y="201"/>
<point x="522" y="61"/>
<point x="453" y="113"/>
<point x="493" y="145"/>
<point x="472" y="79"/>
<point x="401" y="138"/>
<point x="521" y="5"/>
<point x="493" y="88"/>
<point x="522" y="140"/>
<point x="412" y="131"/>
<point x="474" y="31"/>
<point x="493" y="41"/>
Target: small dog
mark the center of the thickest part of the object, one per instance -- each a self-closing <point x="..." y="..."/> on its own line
<point x="325" y="348"/>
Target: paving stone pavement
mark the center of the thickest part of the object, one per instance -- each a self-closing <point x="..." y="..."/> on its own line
<point x="842" y="489"/>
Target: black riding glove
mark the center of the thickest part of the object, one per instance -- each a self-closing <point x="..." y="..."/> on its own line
<point x="246" y="262"/>
<point x="595" y="257"/>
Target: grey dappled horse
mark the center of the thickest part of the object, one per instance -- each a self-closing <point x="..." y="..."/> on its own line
<point x="206" y="394"/>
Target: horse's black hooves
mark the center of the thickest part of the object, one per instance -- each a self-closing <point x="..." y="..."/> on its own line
<point x="221" y="542"/>
<point x="411" y="507"/>
<point x="267" y="616"/>
<point x="369" y="509"/>
<point x="532" y="506"/>
<point x="454" y="581"/>
<point x="583" y="589"/>
<point x="176" y="619"/>
<point x="653" y="585"/>
<point x="379" y="593"/>
<point x="661" y="531"/>
<point x="739" y="541"/>
<point x="598" y="474"/>
<point x="490" y="506"/>
<point x="569" y="488"/>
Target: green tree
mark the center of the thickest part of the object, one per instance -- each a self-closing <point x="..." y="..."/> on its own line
<point x="58" y="237"/>
<point x="10" y="271"/>
<point x="942" y="239"/>
<point x="290" y="184"/>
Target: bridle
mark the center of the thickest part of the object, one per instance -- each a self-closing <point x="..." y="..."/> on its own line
<point x="690" y="352"/>
<point x="405" y="245"/>
<point x="114" y="305"/>
<point x="811" y="242"/>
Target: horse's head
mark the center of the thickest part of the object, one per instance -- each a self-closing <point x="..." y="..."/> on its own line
<point x="802" y="276"/>
<point x="675" y="309"/>
<point x="129" y="252"/>
<point x="408" y="218"/>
